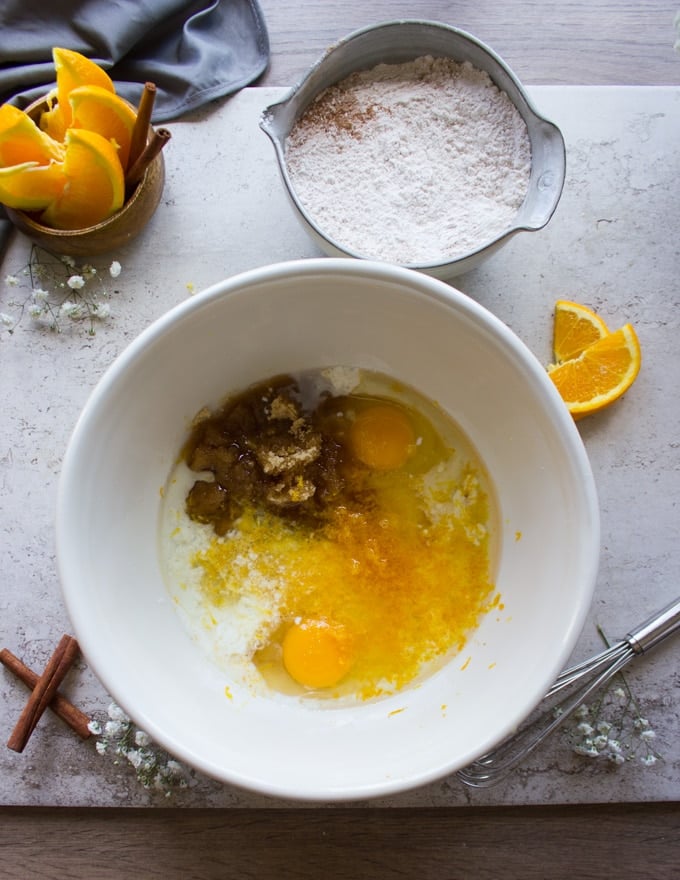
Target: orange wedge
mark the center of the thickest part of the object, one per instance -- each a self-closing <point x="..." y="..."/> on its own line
<point x="600" y="374"/>
<point x="30" y="186"/>
<point x="97" y="109"/>
<point x="95" y="186"/>
<point x="575" y="328"/>
<point x="22" y="141"/>
<point x="73" y="70"/>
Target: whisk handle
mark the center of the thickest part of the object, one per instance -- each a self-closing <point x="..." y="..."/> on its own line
<point x="655" y="628"/>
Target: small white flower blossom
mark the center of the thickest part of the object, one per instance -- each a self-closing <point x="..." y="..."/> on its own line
<point x="616" y="758"/>
<point x="115" y="713"/>
<point x="603" y="726"/>
<point x="101" y="310"/>
<point x="11" y="280"/>
<point x="95" y="727"/>
<point x="76" y="282"/>
<point x="101" y="748"/>
<point x="115" y="269"/>
<point x="6" y="319"/>
<point x="142" y="739"/>
<point x="70" y="309"/>
<point x="113" y="728"/>
<point x="40" y="296"/>
<point x="620" y="693"/>
<point x="648" y="734"/>
<point x="585" y="728"/>
<point x="35" y="310"/>
<point x="583" y="711"/>
<point x="640" y="723"/>
<point x="648" y="760"/>
<point x="614" y="745"/>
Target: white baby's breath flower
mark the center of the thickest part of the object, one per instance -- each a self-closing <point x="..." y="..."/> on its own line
<point x="616" y="758"/>
<point x="70" y="309"/>
<point x="142" y="739"/>
<point x="40" y="296"/>
<point x="76" y="282"/>
<point x="648" y="734"/>
<point x="35" y="310"/>
<point x="101" y="748"/>
<point x="11" y="280"/>
<point x="585" y="728"/>
<point x="113" y="729"/>
<point x="101" y="310"/>
<point x="115" y="269"/>
<point x="620" y="693"/>
<point x="6" y="319"/>
<point x="648" y="760"/>
<point x="95" y="727"/>
<point x="115" y="713"/>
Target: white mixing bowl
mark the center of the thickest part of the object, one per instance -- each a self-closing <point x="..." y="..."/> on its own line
<point x="285" y="318"/>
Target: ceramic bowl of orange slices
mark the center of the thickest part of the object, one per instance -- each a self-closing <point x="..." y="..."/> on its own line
<point x="65" y="164"/>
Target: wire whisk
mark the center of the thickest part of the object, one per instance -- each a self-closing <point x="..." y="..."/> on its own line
<point x="584" y="678"/>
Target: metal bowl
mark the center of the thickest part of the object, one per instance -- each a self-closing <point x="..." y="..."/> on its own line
<point x="398" y="42"/>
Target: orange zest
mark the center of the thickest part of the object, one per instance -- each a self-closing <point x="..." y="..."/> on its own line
<point x="95" y="185"/>
<point x="575" y="328"/>
<point x="600" y="374"/>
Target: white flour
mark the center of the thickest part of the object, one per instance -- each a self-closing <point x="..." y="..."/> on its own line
<point x="411" y="163"/>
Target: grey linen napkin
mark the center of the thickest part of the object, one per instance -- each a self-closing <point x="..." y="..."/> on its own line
<point x="193" y="50"/>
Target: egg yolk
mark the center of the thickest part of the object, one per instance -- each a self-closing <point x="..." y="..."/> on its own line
<point x="316" y="654"/>
<point x="382" y="437"/>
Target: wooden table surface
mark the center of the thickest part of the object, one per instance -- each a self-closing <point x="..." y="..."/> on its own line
<point x="577" y="42"/>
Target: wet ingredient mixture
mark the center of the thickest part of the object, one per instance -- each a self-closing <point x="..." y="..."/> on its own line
<point x="328" y="535"/>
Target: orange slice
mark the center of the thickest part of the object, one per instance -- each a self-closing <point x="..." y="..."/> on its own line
<point x="30" y="186"/>
<point x="575" y="328"/>
<point x="73" y="70"/>
<point x="22" y="141"/>
<point x="95" y="186"/>
<point x="97" y="109"/>
<point x="601" y="374"/>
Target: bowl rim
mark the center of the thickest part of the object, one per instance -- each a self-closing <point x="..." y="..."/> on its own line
<point x="236" y="284"/>
<point x="268" y="125"/>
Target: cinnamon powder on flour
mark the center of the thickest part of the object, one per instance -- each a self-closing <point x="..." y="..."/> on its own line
<point x="412" y="163"/>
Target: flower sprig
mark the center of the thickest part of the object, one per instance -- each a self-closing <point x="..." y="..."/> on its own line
<point x="119" y="738"/>
<point x="58" y="292"/>
<point x="613" y="727"/>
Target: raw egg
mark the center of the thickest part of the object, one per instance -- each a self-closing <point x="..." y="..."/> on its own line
<point x="316" y="654"/>
<point x="382" y="437"/>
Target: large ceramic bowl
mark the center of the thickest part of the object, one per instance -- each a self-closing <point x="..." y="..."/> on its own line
<point x="397" y="42"/>
<point x="290" y="317"/>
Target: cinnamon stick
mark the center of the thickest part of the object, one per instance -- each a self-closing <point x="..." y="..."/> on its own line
<point x="159" y="139"/>
<point x="76" y="720"/>
<point x="140" y="130"/>
<point x="44" y="692"/>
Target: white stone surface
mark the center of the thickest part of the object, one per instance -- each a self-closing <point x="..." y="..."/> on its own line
<point x="613" y="243"/>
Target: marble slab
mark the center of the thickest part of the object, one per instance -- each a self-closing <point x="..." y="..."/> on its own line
<point x="613" y="243"/>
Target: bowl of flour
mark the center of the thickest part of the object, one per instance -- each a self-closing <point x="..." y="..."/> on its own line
<point x="413" y="143"/>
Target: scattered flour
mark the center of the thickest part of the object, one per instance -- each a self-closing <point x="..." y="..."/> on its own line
<point x="412" y="163"/>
